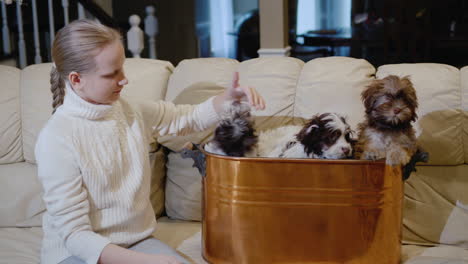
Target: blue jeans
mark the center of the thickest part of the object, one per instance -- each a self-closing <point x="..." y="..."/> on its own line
<point x="150" y="245"/>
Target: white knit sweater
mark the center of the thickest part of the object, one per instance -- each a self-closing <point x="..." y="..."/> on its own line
<point x="94" y="167"/>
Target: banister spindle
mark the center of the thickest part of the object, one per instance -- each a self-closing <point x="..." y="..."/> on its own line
<point x="81" y="11"/>
<point x="37" y="45"/>
<point x="135" y="38"/>
<point x="21" y="45"/>
<point x="51" y="23"/>
<point x="151" y="29"/>
<point x="65" y="5"/>
<point x="5" y="30"/>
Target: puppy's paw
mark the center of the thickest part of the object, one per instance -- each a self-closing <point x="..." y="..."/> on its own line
<point x="397" y="158"/>
<point x="372" y="155"/>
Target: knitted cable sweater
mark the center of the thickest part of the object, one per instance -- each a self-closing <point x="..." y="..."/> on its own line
<point x="93" y="164"/>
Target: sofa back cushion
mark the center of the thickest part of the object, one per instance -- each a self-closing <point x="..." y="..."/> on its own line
<point x="190" y="72"/>
<point x="464" y="87"/>
<point x="333" y="84"/>
<point x="10" y="116"/>
<point x="436" y="206"/>
<point x="36" y="105"/>
<point x="148" y="79"/>
<point x="22" y="204"/>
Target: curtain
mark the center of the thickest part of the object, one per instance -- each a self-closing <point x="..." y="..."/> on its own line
<point x="323" y="14"/>
<point x="222" y="23"/>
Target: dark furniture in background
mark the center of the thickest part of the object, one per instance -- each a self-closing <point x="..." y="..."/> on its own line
<point x="396" y="31"/>
<point x="312" y="46"/>
<point x="247" y="32"/>
<point x="412" y="31"/>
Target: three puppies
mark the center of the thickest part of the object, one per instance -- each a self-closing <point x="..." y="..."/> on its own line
<point x="325" y="136"/>
<point x="386" y="133"/>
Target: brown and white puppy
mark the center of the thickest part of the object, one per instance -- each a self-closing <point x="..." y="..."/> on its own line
<point x="387" y="131"/>
<point x="325" y="136"/>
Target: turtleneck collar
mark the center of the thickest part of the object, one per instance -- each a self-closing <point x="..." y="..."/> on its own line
<point x="77" y="106"/>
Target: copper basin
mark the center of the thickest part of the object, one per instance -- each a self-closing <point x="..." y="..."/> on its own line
<point x="262" y="210"/>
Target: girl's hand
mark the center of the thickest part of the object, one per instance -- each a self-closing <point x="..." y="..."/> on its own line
<point x="237" y="92"/>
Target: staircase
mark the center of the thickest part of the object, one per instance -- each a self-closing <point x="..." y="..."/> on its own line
<point x="29" y="27"/>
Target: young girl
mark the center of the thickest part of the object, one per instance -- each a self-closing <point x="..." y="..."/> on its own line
<point x="92" y="154"/>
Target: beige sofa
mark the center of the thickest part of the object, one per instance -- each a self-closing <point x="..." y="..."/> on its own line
<point x="435" y="224"/>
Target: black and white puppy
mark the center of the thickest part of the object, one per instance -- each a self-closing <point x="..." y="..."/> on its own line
<point x="234" y="134"/>
<point x="325" y="136"/>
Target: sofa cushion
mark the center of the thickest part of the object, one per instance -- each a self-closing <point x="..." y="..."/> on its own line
<point x="464" y="87"/>
<point x="194" y="94"/>
<point x="440" y="118"/>
<point x="191" y="248"/>
<point x="148" y="79"/>
<point x="183" y="189"/>
<point x="275" y="79"/>
<point x="20" y="245"/>
<point x="23" y="245"/>
<point x="158" y="178"/>
<point x="189" y="72"/>
<point x="10" y="116"/>
<point x="36" y="105"/>
<point x="21" y="196"/>
<point x="440" y="255"/>
<point x="436" y="206"/>
<point x="333" y="84"/>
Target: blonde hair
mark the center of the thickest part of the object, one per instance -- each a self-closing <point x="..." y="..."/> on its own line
<point x="74" y="48"/>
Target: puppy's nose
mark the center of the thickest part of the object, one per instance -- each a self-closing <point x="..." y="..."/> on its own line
<point x="346" y="150"/>
<point x="396" y="110"/>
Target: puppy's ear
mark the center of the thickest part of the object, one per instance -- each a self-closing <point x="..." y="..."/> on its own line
<point x="409" y="91"/>
<point x="311" y="127"/>
<point x="406" y="81"/>
<point x="367" y="95"/>
<point x="311" y="136"/>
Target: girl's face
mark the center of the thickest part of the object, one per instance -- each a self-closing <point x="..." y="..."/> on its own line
<point x="104" y="84"/>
